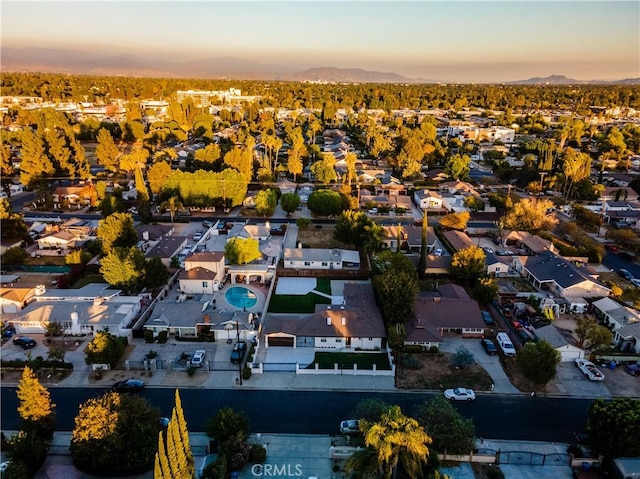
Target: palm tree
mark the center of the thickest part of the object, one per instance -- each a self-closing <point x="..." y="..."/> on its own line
<point x="172" y="204"/>
<point x="397" y="438"/>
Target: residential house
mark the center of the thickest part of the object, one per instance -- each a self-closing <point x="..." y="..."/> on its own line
<point x="80" y="317"/>
<point x="410" y="238"/>
<point x="449" y="310"/>
<point x="167" y="248"/>
<point x="354" y="326"/>
<point x="321" y="258"/>
<point x="71" y="195"/>
<point x="428" y="200"/>
<point x="15" y="297"/>
<point x="557" y="276"/>
<point x="561" y="342"/>
<point x="209" y="260"/>
<point x="438" y="265"/>
<point x="458" y="239"/>
<point x="422" y="333"/>
<point x="613" y="314"/>
<point x="244" y="231"/>
<point x="198" y="281"/>
<point x="617" y="193"/>
<point x="497" y="265"/>
<point x="532" y="244"/>
<point x="628" y="337"/>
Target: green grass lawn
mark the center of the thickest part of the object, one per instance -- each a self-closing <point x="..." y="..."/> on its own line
<point x="347" y="360"/>
<point x="295" y="303"/>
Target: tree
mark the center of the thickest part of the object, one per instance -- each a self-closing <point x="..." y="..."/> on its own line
<point x="395" y="282"/>
<point x="228" y="423"/>
<point x="458" y="166"/>
<point x="350" y="160"/>
<point x="123" y="267"/>
<point x="354" y="228"/>
<point x="173" y="205"/>
<point x="422" y="265"/>
<point x="451" y="433"/>
<point x="241" y="250"/>
<point x="266" y="202"/>
<point x="612" y="426"/>
<point x="105" y="348"/>
<point x="325" y="202"/>
<point x="591" y="334"/>
<point x="455" y="221"/>
<point x="410" y="157"/>
<point x="12" y="224"/>
<point x="396" y="438"/>
<point x="530" y="214"/>
<point x="485" y="290"/>
<point x="117" y="230"/>
<point x="115" y="434"/>
<point x="370" y="409"/>
<point x="155" y="273"/>
<point x="157" y="174"/>
<point x="35" y="408"/>
<point x="469" y="265"/>
<point x="539" y="362"/>
<point x="324" y="170"/>
<point x="175" y="459"/>
<point x="35" y="163"/>
<point x="289" y="202"/>
<point x="241" y="159"/>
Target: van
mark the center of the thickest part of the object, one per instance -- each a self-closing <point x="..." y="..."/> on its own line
<point x="505" y="344"/>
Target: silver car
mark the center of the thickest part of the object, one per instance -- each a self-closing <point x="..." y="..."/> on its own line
<point x="198" y="358"/>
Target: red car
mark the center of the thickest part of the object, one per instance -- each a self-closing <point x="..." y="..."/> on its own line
<point x="610" y="247"/>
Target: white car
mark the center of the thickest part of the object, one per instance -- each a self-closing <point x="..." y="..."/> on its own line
<point x="460" y="394"/>
<point x="350" y="426"/>
<point x="198" y="358"/>
<point x="488" y="250"/>
<point x="197" y="236"/>
<point x="589" y="369"/>
<point x="635" y="282"/>
<point x="438" y="252"/>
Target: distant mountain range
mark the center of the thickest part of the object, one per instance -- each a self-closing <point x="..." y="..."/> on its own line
<point x="50" y="60"/>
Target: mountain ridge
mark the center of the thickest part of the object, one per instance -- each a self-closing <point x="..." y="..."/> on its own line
<point x="69" y="61"/>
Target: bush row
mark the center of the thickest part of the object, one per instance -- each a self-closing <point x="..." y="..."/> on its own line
<point x="36" y="364"/>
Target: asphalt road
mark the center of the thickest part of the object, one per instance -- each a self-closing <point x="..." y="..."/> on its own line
<point x="614" y="262"/>
<point x="320" y="412"/>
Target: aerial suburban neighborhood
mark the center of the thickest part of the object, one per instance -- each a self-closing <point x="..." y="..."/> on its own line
<point x="317" y="276"/>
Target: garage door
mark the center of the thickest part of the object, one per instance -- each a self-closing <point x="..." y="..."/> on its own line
<point x="276" y="341"/>
<point x="570" y="356"/>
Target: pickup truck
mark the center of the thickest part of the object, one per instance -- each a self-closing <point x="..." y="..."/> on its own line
<point x="589" y="369"/>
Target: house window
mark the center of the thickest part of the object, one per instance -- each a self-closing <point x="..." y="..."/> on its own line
<point x="323" y="340"/>
<point x="307" y="263"/>
<point x="205" y="284"/>
<point x="370" y="339"/>
<point x="338" y="340"/>
<point x="324" y="263"/>
<point x="497" y="269"/>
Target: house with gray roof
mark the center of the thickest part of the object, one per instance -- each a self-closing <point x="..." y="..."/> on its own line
<point x="628" y="338"/>
<point x="167" y="248"/>
<point x="614" y="314"/>
<point x="554" y="274"/>
<point x="449" y="310"/>
<point x="321" y="258"/>
<point x="353" y="326"/>
<point x="562" y="342"/>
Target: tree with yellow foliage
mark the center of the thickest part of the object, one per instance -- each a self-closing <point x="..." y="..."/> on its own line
<point x="174" y="459"/>
<point x="36" y="408"/>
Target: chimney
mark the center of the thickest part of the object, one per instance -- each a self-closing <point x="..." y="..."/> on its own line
<point x="328" y="321"/>
<point x="40" y="290"/>
<point x="344" y="321"/>
<point x="267" y="225"/>
<point x="145" y="235"/>
<point x="206" y="318"/>
<point x="299" y="244"/>
<point x="437" y="299"/>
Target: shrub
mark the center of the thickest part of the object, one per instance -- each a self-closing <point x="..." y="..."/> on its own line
<point x="246" y="372"/>
<point x="21" y="363"/>
<point x="148" y="336"/>
<point x="410" y="362"/>
<point x="30" y="449"/>
<point x="462" y="358"/>
<point x="494" y="472"/>
<point x="258" y="454"/>
<point x="413" y="349"/>
<point x="191" y="370"/>
<point x="162" y="337"/>
<point x="434" y="349"/>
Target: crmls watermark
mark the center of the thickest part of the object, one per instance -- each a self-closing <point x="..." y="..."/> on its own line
<point x="276" y="470"/>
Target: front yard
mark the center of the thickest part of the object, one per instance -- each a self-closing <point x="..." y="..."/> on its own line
<point x="434" y="371"/>
<point x="347" y="360"/>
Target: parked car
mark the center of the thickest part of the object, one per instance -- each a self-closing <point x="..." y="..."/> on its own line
<point x="489" y="347"/>
<point x="198" y="358"/>
<point x="25" y="341"/>
<point x="128" y="386"/>
<point x="207" y="224"/>
<point x="610" y="247"/>
<point x="197" y="236"/>
<point x="488" y="250"/>
<point x="238" y="352"/>
<point x="635" y="282"/>
<point x="486" y="317"/>
<point x="589" y="369"/>
<point x="460" y="394"/>
<point x="373" y="211"/>
<point x="350" y="426"/>
<point x="438" y="252"/>
<point x="626" y="274"/>
<point x="633" y="369"/>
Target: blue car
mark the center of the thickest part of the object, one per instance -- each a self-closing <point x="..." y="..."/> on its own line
<point x="486" y="317"/>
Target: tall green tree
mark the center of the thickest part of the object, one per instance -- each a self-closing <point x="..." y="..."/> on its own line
<point x="451" y="433"/>
<point x="539" y="362"/>
<point x="228" y="423"/>
<point x="325" y="202"/>
<point x="395" y="439"/>
<point x="458" y="166"/>
<point x="124" y="268"/>
<point x="395" y="282"/>
<point x="35" y="163"/>
<point x="157" y="174"/>
<point x="241" y="251"/>
<point x="107" y="152"/>
<point x="469" y="265"/>
<point x="12" y="224"/>
<point x="266" y="202"/>
<point x="289" y="202"/>
<point x="175" y="459"/>
<point x="105" y="348"/>
<point x="35" y="408"/>
<point x="324" y="170"/>
<point x="422" y="265"/>
<point x="612" y="427"/>
<point x="117" y="230"/>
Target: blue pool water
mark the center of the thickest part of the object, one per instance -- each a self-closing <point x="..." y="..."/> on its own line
<point x="241" y="297"/>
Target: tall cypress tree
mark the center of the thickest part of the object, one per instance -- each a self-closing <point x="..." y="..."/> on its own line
<point x="423" y="247"/>
<point x="36" y="408"/>
<point x="175" y="460"/>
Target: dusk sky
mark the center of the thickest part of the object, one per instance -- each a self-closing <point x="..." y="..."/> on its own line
<point x="473" y="41"/>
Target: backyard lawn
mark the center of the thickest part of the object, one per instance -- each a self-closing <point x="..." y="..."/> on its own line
<point x="296" y="303"/>
<point x="347" y="360"/>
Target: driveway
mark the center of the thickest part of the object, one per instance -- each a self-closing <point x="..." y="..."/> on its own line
<point x="491" y="364"/>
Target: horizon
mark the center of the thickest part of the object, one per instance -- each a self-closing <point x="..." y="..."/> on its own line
<point x="455" y="41"/>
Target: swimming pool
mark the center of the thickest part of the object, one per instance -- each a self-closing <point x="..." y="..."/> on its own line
<point x="241" y="297"/>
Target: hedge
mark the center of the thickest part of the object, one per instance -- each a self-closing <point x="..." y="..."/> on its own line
<point x="35" y="365"/>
